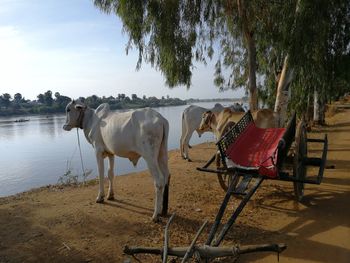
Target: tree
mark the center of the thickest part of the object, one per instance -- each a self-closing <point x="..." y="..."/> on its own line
<point x="250" y="38"/>
<point x="171" y="34"/>
<point x="48" y="100"/>
<point x="57" y="96"/>
<point x="17" y="98"/>
<point x="323" y="29"/>
<point x="121" y="97"/>
<point x="5" y="100"/>
<point x="41" y="98"/>
<point x="93" y="101"/>
<point x="134" y="97"/>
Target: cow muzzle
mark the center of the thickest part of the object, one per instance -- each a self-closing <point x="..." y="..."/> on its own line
<point x="67" y="127"/>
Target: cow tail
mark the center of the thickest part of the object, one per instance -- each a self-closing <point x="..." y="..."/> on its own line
<point x="163" y="157"/>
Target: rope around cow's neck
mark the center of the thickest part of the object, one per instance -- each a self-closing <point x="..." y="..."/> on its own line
<point x="81" y="157"/>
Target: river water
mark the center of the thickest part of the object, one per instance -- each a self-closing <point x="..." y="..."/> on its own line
<point x="38" y="152"/>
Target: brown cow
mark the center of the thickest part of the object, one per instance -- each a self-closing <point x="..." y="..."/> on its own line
<point x="221" y="122"/>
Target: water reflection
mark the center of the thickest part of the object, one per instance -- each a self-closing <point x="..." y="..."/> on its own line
<point x="7" y="130"/>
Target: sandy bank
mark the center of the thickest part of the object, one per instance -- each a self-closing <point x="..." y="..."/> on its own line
<point x="66" y="225"/>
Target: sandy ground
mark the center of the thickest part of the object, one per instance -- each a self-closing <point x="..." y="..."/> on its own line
<point x="64" y="224"/>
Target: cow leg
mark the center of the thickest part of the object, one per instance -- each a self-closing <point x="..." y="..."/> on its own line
<point x="182" y="147"/>
<point x="100" y="164"/>
<point x="159" y="182"/>
<point x="163" y="164"/>
<point x="110" y="195"/>
<point x="186" y="142"/>
<point x="184" y="130"/>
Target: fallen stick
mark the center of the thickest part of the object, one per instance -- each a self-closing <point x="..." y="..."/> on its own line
<point x="193" y="243"/>
<point x="207" y="252"/>
<point x="66" y="246"/>
<point x="166" y="239"/>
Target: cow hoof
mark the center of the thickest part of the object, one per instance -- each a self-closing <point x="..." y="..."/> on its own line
<point x="164" y="214"/>
<point x="100" y="200"/>
<point x="156" y="219"/>
<point x="189" y="160"/>
<point x="110" y="197"/>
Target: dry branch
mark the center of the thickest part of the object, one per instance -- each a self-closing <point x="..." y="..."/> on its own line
<point x="166" y="239"/>
<point x="193" y="243"/>
<point x="208" y="252"/>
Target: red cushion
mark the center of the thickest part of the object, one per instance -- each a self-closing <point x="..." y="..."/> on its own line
<point x="256" y="148"/>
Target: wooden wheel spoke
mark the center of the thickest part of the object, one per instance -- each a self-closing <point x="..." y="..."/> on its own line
<point x="299" y="168"/>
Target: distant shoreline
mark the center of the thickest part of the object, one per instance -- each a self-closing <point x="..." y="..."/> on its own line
<point x="38" y="109"/>
<point x="238" y="100"/>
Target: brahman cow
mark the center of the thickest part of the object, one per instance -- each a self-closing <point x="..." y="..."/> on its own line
<point x="217" y="122"/>
<point x="131" y="134"/>
<point x="191" y="119"/>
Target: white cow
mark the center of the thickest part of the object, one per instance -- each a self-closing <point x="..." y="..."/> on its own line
<point x="191" y="119"/>
<point x="130" y="134"/>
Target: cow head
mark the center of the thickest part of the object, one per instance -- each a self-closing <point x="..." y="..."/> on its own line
<point x="237" y="107"/>
<point x="205" y="124"/>
<point x="74" y="115"/>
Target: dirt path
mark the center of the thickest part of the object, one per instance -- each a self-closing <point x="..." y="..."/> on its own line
<point x="65" y="224"/>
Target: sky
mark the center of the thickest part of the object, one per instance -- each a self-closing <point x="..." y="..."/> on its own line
<point x="71" y="47"/>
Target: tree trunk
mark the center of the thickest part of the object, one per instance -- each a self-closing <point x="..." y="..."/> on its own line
<point x="282" y="96"/>
<point x="283" y="92"/>
<point x="253" y="99"/>
<point x="316" y="118"/>
<point x="323" y="112"/>
<point x="319" y="108"/>
<point x="251" y="50"/>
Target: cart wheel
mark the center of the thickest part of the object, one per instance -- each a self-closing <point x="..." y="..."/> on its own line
<point x="226" y="179"/>
<point x="299" y="168"/>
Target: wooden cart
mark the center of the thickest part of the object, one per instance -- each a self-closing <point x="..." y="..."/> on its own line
<point x="250" y="155"/>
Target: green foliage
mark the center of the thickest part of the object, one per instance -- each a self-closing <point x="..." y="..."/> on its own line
<point x="167" y="34"/>
<point x="71" y="178"/>
<point x="170" y="35"/>
<point x="68" y="178"/>
<point x="5" y="100"/>
<point x="48" y="100"/>
<point x="321" y="44"/>
<point x="17" y="98"/>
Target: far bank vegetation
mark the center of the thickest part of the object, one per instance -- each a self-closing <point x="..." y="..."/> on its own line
<point x="48" y="103"/>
